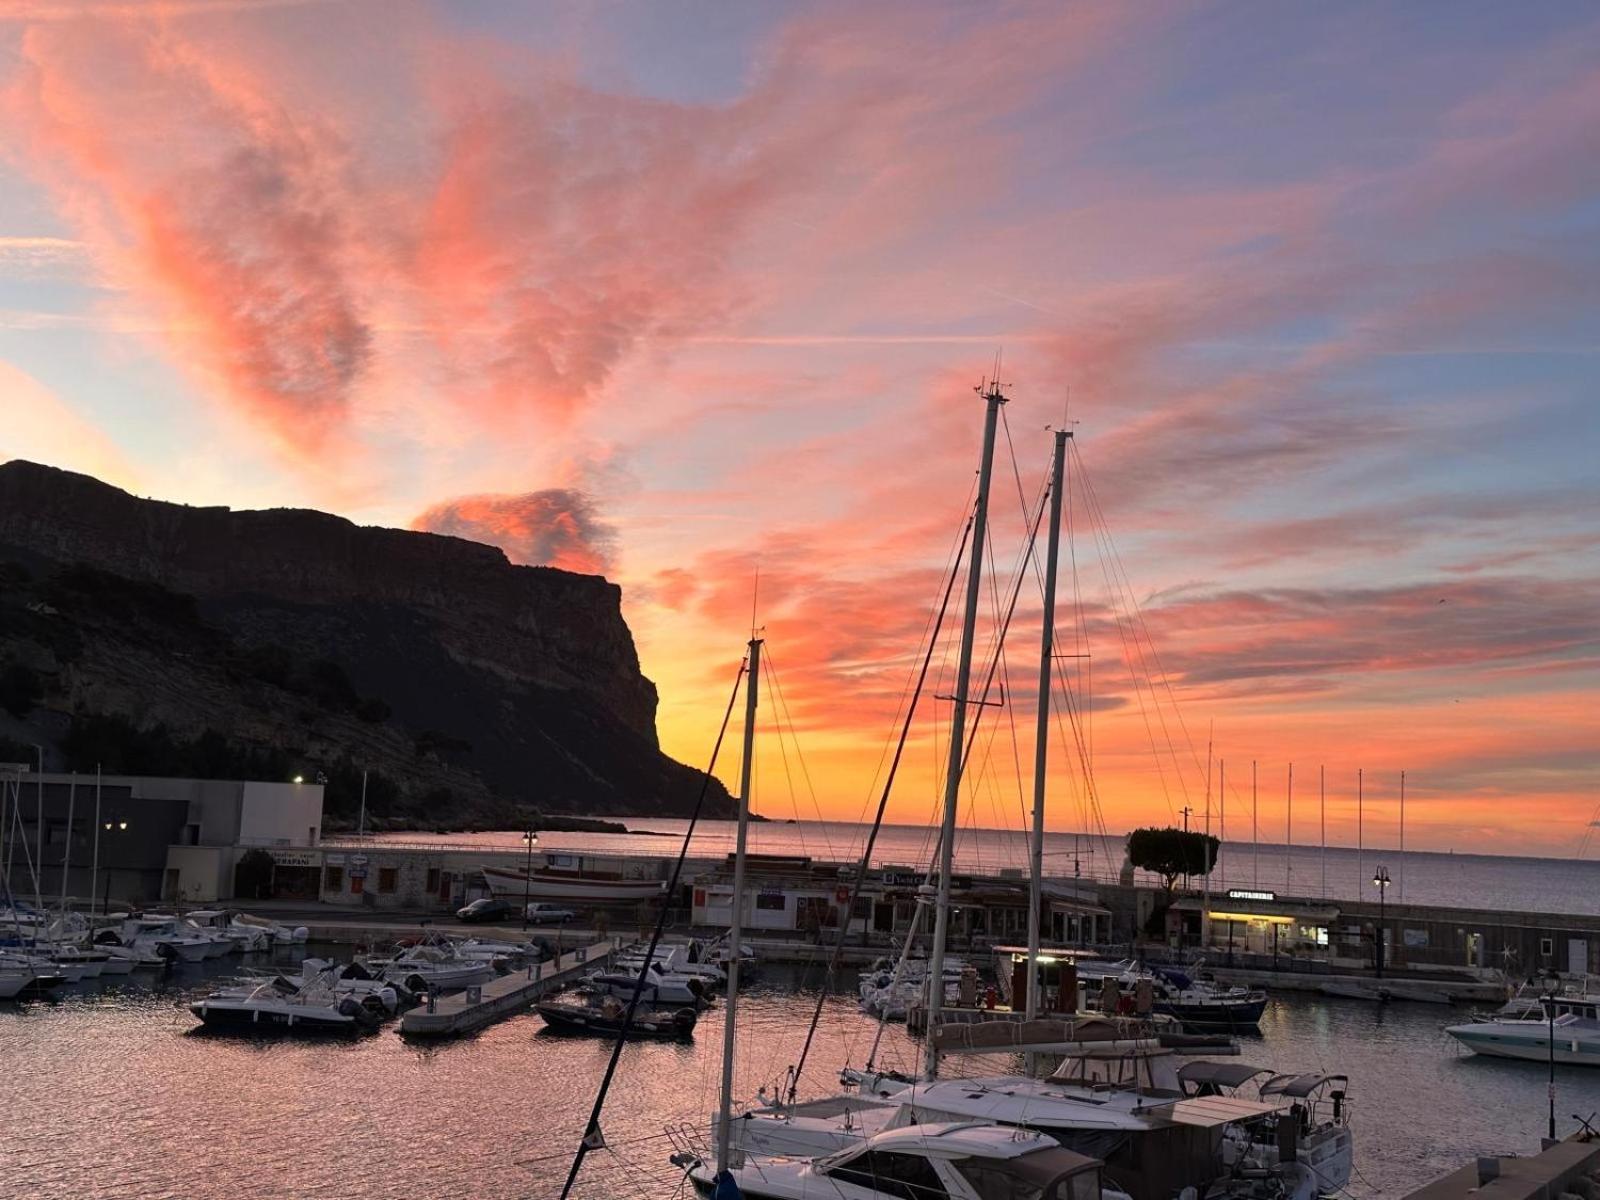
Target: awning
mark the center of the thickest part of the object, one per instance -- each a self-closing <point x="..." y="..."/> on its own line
<point x="1299" y="1086"/>
<point x="1211" y="1111"/>
<point x="1216" y="1074"/>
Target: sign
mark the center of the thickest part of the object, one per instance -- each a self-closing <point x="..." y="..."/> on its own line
<point x="358" y="872"/>
<point x="357" y="860"/>
<point x="1250" y="894"/>
<point x="334" y="860"/>
<point x="295" y="858"/>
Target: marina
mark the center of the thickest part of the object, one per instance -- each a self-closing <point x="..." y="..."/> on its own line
<point x="104" y="1047"/>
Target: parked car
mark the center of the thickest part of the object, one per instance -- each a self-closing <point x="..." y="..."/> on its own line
<point x="549" y="914"/>
<point x="486" y="910"/>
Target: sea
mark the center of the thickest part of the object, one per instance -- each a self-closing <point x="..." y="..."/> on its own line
<point x="112" y="1093"/>
<point x="1489" y="881"/>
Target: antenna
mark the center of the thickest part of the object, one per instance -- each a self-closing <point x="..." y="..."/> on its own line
<point x="755" y="595"/>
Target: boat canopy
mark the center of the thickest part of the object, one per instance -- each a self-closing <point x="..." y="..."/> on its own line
<point x="1198" y="1075"/>
<point x="1299" y="1086"/>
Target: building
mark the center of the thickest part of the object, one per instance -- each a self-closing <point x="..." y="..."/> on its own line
<point x="146" y="839"/>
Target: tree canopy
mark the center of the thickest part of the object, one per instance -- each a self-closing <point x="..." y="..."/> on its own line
<point x="1170" y="853"/>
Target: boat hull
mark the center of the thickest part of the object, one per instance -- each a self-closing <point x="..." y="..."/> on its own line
<point x="241" y="1018"/>
<point x="1527" y="1045"/>
<point x="515" y="885"/>
<point x="677" y="1025"/>
<point x="1245" y="1013"/>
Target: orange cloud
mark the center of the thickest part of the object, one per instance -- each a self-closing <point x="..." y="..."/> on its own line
<point x="557" y="527"/>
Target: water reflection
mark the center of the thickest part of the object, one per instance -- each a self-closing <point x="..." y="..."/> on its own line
<point x="111" y="1096"/>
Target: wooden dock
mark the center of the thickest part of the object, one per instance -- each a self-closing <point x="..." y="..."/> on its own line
<point x="463" y="1012"/>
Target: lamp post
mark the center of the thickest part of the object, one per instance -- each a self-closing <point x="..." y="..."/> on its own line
<point x="1552" y="984"/>
<point x="1381" y="878"/>
<point x="530" y="839"/>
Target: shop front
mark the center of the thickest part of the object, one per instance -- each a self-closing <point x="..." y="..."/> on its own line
<point x="1261" y="924"/>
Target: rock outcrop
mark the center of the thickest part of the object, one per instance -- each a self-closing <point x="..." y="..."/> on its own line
<point x="476" y="687"/>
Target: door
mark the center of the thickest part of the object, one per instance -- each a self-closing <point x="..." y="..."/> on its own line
<point x="1578" y="956"/>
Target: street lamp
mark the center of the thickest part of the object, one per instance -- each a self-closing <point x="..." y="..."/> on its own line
<point x="529" y="839"/>
<point x="1381" y="878"/>
<point x="1552" y="985"/>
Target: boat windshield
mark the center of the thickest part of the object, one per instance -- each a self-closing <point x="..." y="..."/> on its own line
<point x="1042" y="1175"/>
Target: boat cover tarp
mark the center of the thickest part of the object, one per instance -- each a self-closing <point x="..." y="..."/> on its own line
<point x="1175" y="977"/>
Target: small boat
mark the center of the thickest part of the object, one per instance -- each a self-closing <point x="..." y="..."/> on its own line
<point x="22" y="977"/>
<point x="659" y="986"/>
<point x="283" y="1006"/>
<point x="1577" y="1039"/>
<point x="1195" y="1002"/>
<point x="584" y="1011"/>
<point x="281" y="934"/>
<point x="432" y="965"/>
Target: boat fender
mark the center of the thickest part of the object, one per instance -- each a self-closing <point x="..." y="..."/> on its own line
<point x="301" y="933"/>
<point x="725" y="1187"/>
<point x="416" y="984"/>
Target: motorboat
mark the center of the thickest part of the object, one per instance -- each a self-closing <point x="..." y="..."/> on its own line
<point x="282" y="1005"/>
<point x="890" y="990"/>
<point x="219" y="944"/>
<point x="587" y="1011"/>
<point x="1576" y="1039"/>
<point x="24" y="977"/>
<point x="245" y="937"/>
<point x="962" y="1160"/>
<point x="659" y="987"/>
<point x="432" y="965"/>
<point x="281" y="935"/>
<point x="1528" y="1004"/>
<point x="167" y="937"/>
<point x="675" y="958"/>
<point x="500" y="952"/>
<point x="343" y="979"/>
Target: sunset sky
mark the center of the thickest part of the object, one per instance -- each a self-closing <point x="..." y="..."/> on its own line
<point x="671" y="291"/>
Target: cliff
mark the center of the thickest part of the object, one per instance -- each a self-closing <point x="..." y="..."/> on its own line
<point x="474" y="687"/>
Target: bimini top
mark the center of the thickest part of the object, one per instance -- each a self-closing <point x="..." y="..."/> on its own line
<point x="1299" y="1086"/>
<point x="1198" y="1075"/>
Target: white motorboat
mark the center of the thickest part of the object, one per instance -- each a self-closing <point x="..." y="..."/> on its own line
<point x="960" y="1160"/>
<point x="675" y="958"/>
<point x="282" y="935"/>
<point x="346" y="979"/>
<point x="496" y="952"/>
<point x="21" y="976"/>
<point x="287" y="1006"/>
<point x="432" y="966"/>
<point x="167" y="937"/>
<point x="241" y="936"/>
<point x="1576" y="1039"/>
<point x="659" y="986"/>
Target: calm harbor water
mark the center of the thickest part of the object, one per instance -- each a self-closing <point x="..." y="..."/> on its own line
<point x="110" y="1094"/>
<point x="1475" y="880"/>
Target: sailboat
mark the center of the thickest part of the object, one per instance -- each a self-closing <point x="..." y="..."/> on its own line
<point x="1164" y="1141"/>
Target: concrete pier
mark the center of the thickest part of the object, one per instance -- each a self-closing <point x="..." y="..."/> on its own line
<point x="463" y="1012"/>
<point x="1569" y="1168"/>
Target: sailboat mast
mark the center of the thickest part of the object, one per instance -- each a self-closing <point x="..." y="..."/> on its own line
<point x="94" y="871"/>
<point x="736" y="926"/>
<point x="958" y="723"/>
<point x="1041" y="741"/>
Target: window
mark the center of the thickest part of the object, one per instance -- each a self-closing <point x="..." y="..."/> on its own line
<point x="1547" y="946"/>
<point x="863" y="908"/>
<point x="771" y="901"/>
<point x="388" y="877"/>
<point x="902" y="1175"/>
<point x="333" y="880"/>
<point x="433" y="879"/>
